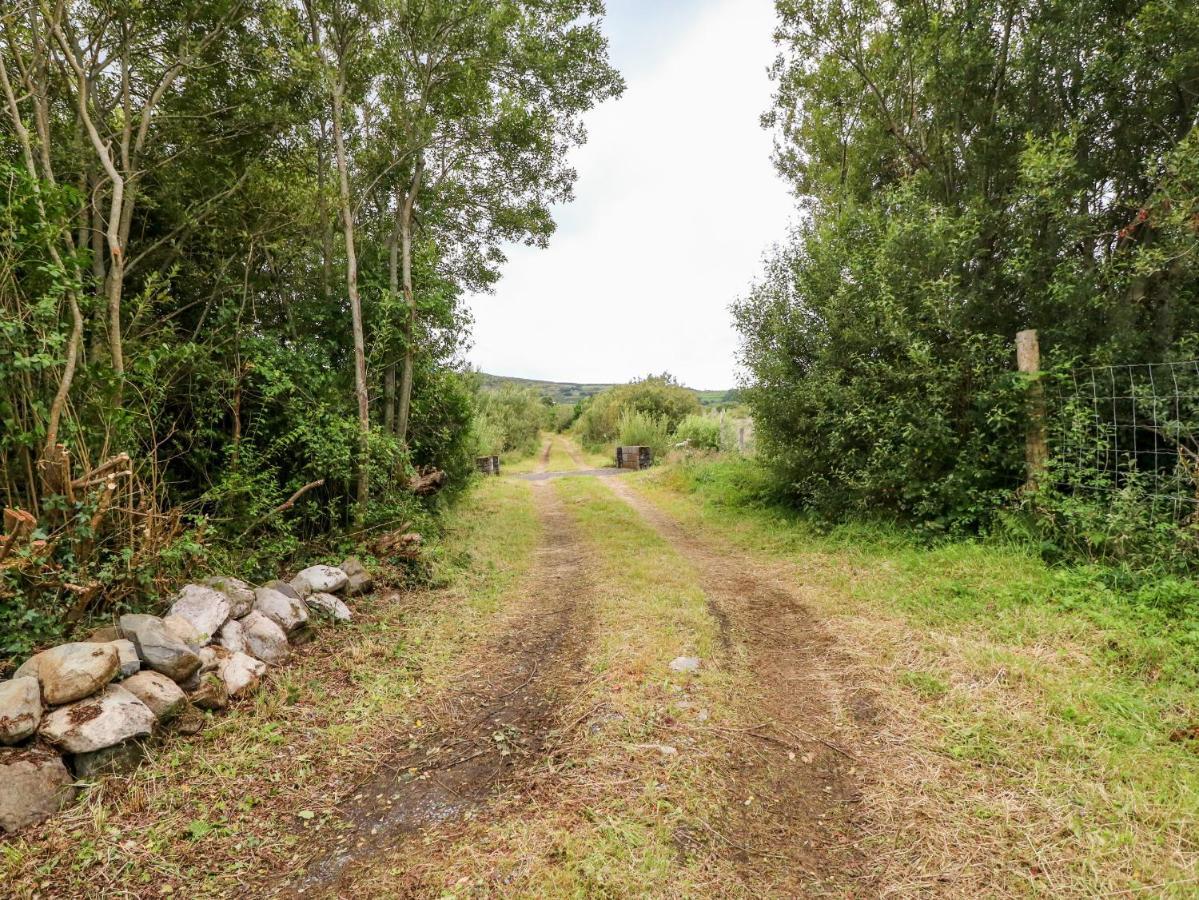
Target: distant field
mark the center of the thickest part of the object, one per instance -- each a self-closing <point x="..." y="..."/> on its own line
<point x="570" y="392"/>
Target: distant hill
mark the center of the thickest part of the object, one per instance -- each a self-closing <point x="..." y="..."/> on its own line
<point x="571" y="392"/>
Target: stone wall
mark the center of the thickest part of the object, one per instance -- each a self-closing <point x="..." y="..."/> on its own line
<point x="77" y="710"/>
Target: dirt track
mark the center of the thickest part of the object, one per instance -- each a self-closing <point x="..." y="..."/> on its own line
<point x="793" y="697"/>
<point x="499" y="715"/>
<point x="495" y="717"/>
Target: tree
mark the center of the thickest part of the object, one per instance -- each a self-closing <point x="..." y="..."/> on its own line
<point x="968" y="170"/>
<point x="348" y="36"/>
<point x="483" y="102"/>
<point x="182" y="185"/>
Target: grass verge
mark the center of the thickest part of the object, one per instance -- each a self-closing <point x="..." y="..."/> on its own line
<point x="1043" y="722"/>
<point x="517" y="462"/>
<point x="252" y="795"/>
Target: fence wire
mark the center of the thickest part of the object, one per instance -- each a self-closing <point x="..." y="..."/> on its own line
<point x="1132" y="430"/>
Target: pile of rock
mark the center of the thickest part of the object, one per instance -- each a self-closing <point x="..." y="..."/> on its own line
<point x="88" y="705"/>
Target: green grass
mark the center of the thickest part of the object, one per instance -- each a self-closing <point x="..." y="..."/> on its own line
<point x="593" y="458"/>
<point x="1047" y="701"/>
<point x="560" y="459"/>
<point x="517" y="462"/>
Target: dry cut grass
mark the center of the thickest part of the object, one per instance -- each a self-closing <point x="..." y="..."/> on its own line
<point x="253" y="795"/>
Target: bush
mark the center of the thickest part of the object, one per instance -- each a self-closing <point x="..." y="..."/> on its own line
<point x="510" y="420"/>
<point x="700" y="433"/>
<point x="861" y="400"/>
<point x="659" y="396"/>
<point x="638" y="429"/>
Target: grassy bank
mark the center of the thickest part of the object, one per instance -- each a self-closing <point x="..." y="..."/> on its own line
<point x="253" y="795"/>
<point x="1044" y="718"/>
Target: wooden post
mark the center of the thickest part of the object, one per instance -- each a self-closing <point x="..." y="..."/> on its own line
<point x="1036" y="448"/>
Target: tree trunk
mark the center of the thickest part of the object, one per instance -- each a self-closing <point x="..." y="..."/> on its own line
<point x="393" y="283"/>
<point x="326" y="224"/>
<point x="58" y="405"/>
<point x="322" y="201"/>
<point x="99" y="272"/>
<point x="115" y="280"/>
<point x="116" y="284"/>
<point x="347" y="219"/>
<point x="405" y="403"/>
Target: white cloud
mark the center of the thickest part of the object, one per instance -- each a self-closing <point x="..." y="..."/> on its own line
<point x="676" y="202"/>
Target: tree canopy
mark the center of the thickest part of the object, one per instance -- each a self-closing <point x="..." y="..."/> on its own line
<point x="967" y="170"/>
<point x="235" y="236"/>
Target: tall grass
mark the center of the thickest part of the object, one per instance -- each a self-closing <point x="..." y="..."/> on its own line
<point x="701" y="433"/>
<point x="638" y="429"/>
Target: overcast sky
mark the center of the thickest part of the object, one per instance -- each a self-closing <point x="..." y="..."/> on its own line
<point x="675" y="203"/>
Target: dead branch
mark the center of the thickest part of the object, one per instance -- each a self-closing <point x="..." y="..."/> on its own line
<point x="286" y="504"/>
<point x="99" y="474"/>
<point x="426" y="483"/>
<point x="18" y="525"/>
<point x="291" y="501"/>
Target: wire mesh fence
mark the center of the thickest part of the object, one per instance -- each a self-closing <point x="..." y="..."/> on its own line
<point x="1131" y="430"/>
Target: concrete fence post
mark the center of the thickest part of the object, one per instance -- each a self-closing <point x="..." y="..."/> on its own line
<point x="1036" y="447"/>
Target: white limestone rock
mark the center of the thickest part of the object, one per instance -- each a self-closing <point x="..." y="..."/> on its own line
<point x="320" y="579"/>
<point x="264" y="639"/>
<point x="241" y="673"/>
<point x="283" y="588"/>
<point x="212" y="658"/>
<point x="158" y="648"/>
<point x="131" y="663"/>
<point x="20" y="708"/>
<point x="34" y="785"/>
<point x="185" y="631"/>
<point x="358" y="579"/>
<point x="72" y="671"/>
<point x="240" y="594"/>
<point x="205" y="607"/>
<point x="161" y="695"/>
<point x="328" y="606"/>
<point x="231" y="637"/>
<point x="112" y="716"/>
<point x="287" y="612"/>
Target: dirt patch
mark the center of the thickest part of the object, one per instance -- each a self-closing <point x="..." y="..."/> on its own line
<point x="792" y="772"/>
<point x="546" y="476"/>
<point x="84" y="712"/>
<point x="495" y="718"/>
<point x="543" y="459"/>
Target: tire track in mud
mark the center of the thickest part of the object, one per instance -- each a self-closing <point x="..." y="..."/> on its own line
<point x="494" y="719"/>
<point x="793" y="773"/>
<point x="543" y="459"/>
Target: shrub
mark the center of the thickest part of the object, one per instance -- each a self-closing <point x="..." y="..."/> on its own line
<point x="510" y="420"/>
<point x="658" y="396"/>
<point x="639" y="429"/>
<point x="700" y="433"/>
